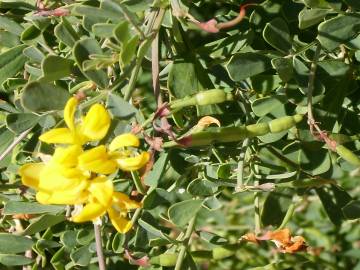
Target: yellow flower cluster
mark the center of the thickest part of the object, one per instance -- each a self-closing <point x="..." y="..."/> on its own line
<point x="75" y="176"/>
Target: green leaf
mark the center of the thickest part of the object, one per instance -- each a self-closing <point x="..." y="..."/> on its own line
<point x="84" y="236"/>
<point x="19" y="122"/>
<point x="82" y="49"/>
<point x="212" y="203"/>
<point x="333" y="211"/>
<point x="265" y="105"/>
<point x="338" y="30"/>
<point x="13" y="260"/>
<point x="180" y="213"/>
<point x="68" y="238"/>
<point x="81" y="256"/>
<point x="152" y="229"/>
<point x="120" y="108"/>
<point x="98" y="13"/>
<point x="310" y="17"/>
<point x="284" y="68"/>
<point x="274" y="210"/>
<point x="201" y="187"/>
<point x="244" y="65"/>
<point x="182" y="80"/>
<point x="15" y="207"/>
<point x="122" y="33"/>
<point x="34" y="54"/>
<point x="316" y="3"/>
<point x="352" y="210"/>
<point x="55" y="67"/>
<point x="30" y="33"/>
<point x="104" y="30"/>
<point x="129" y="51"/>
<point x="11" y="62"/>
<point x="8" y="39"/>
<point x="10" y="243"/>
<point x="66" y="33"/>
<point x="117" y="244"/>
<point x="43" y="97"/>
<point x="6" y="138"/>
<point x="153" y="177"/>
<point x="212" y="238"/>
<point x="10" y="25"/>
<point x="276" y="33"/>
<point x="43" y="223"/>
<point x="156" y="198"/>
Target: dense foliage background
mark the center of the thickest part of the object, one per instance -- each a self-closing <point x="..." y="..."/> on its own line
<point x="284" y="57"/>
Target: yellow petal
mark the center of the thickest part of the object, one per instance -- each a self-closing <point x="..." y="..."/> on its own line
<point x="43" y="197"/>
<point x="102" y="189"/>
<point x="69" y="113"/>
<point x="121" y="224"/>
<point x="96" y="123"/>
<point x="70" y="197"/>
<point x="133" y="163"/>
<point x="123" y="140"/>
<point x="55" y="178"/>
<point x="58" y="135"/>
<point x="124" y="203"/>
<point x="68" y="156"/>
<point x="90" y="212"/>
<point x="97" y="160"/>
<point x="30" y="174"/>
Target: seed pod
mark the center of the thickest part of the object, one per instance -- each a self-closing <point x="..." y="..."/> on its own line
<point x="234" y="134"/>
<point x="284" y="123"/>
<point x="221" y="253"/>
<point x="347" y="155"/>
<point x="214" y="96"/>
<point x="257" y="129"/>
<point x="168" y="259"/>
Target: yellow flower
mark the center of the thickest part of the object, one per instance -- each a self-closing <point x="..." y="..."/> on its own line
<point x="99" y="160"/>
<point x="102" y="199"/>
<point x="60" y="181"/>
<point x="92" y="127"/>
<point x="69" y="177"/>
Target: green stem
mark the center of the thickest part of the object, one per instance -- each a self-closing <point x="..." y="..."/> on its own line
<point x="288" y="216"/>
<point x="240" y="169"/>
<point x="156" y="17"/>
<point x="217" y="155"/>
<point x="257" y="204"/>
<point x="187" y="240"/>
<point x="102" y="95"/>
<point x="130" y="19"/>
<point x="136" y="215"/>
<point x="99" y="250"/>
<point x="312" y="82"/>
<point x="132" y="81"/>
<point x="16" y="141"/>
<point x="138" y="184"/>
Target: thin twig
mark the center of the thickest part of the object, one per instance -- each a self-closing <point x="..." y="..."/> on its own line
<point x="187" y="241"/>
<point x="155" y="69"/>
<point x="321" y="135"/>
<point x="257" y="218"/>
<point x="240" y="168"/>
<point x="129" y="18"/>
<point x="311" y="82"/>
<point x="14" y="143"/>
<point x="99" y="250"/>
<point x="153" y="27"/>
